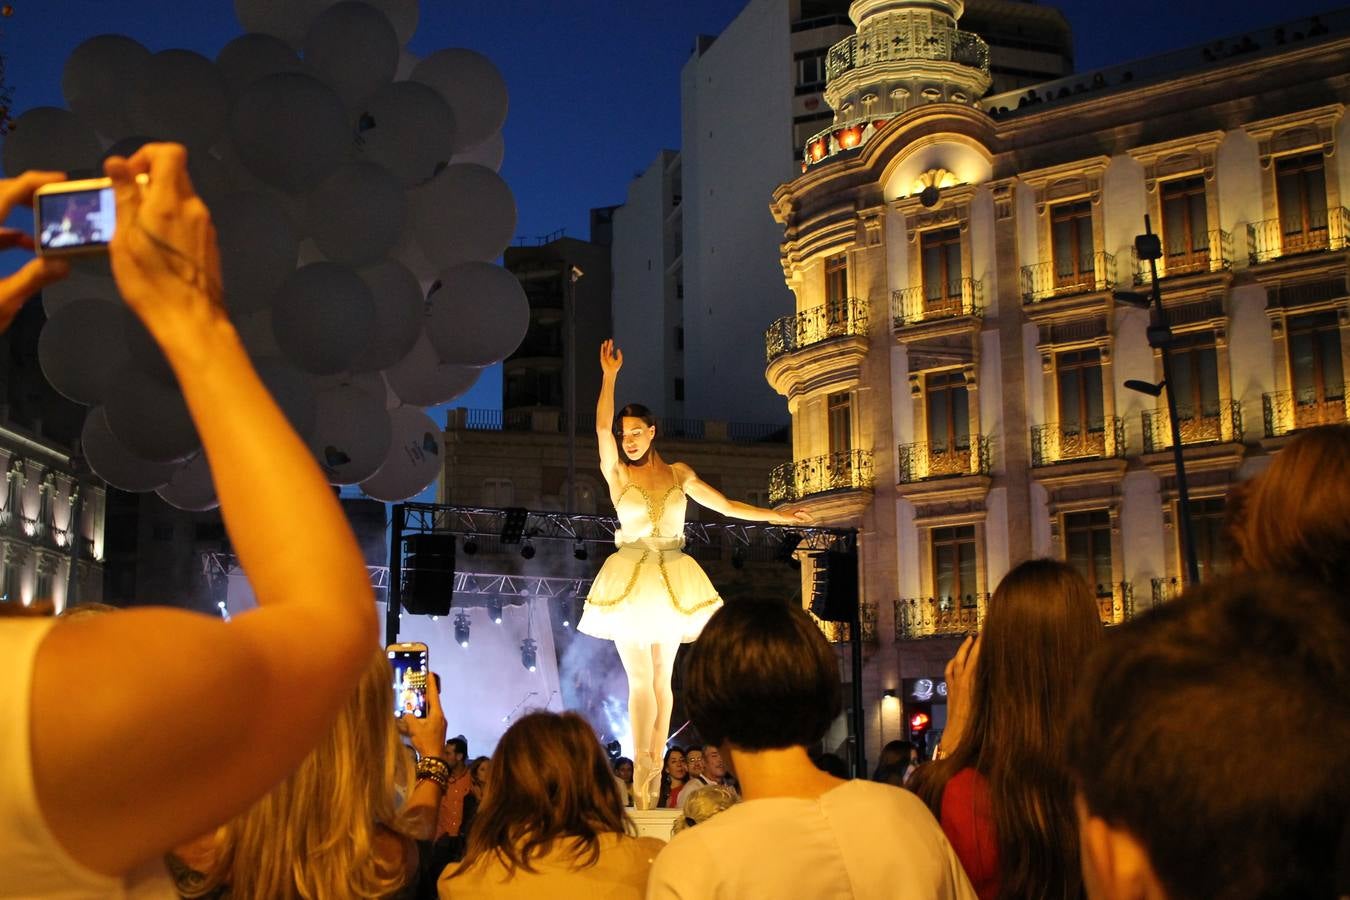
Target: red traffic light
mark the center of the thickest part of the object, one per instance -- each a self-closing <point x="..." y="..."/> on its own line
<point x="919" y="722"/>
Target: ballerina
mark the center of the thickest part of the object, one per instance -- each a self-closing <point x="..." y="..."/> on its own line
<point x="650" y="597"/>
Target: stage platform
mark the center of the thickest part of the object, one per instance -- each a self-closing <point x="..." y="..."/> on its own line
<point x="655" y="823"/>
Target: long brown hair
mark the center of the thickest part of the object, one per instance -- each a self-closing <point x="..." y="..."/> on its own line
<point x="1295" y="516"/>
<point x="550" y="782"/>
<point x="1042" y="623"/>
<point x="314" y="834"/>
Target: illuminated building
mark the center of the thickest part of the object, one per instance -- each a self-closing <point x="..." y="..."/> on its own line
<point x="955" y="366"/>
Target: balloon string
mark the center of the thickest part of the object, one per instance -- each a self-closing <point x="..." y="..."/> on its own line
<point x="196" y="276"/>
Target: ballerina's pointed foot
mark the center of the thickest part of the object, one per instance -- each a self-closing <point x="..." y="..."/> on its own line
<point x="646" y="781"/>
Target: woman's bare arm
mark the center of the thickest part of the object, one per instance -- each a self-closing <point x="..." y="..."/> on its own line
<point x="611" y="360"/>
<point x="707" y="495"/>
<point x="151" y="726"/>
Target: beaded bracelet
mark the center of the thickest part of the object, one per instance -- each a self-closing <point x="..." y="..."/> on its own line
<point x="435" y="769"/>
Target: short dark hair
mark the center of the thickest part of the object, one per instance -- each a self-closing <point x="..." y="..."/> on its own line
<point x="636" y="411"/>
<point x="459" y="743"/>
<point x="1160" y="738"/>
<point x="761" y="677"/>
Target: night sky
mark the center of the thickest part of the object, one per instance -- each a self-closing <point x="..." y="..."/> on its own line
<point x="594" y="85"/>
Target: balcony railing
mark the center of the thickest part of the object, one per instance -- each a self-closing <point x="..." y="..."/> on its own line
<point x="914" y="305"/>
<point x="1287" y="411"/>
<point x="846" y="470"/>
<point x="837" y="319"/>
<point x="922" y="461"/>
<point x="1215" y="257"/>
<point x="1219" y="426"/>
<point x="1165" y="589"/>
<point x="925" y="617"/>
<point x="1055" y="442"/>
<point x="1115" y="602"/>
<point x="898" y="42"/>
<point x="842" y="632"/>
<point x="1274" y="238"/>
<point x="1044" y="281"/>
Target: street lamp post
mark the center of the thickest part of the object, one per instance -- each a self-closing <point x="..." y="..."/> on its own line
<point x="573" y="275"/>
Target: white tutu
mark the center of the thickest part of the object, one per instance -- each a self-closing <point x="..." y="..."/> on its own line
<point x="649" y="591"/>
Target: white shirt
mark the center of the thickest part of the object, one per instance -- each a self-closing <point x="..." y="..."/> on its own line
<point x="858" y="841"/>
<point x="32" y="863"/>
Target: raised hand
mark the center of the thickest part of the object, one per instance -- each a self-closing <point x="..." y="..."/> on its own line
<point x="38" y="272"/>
<point x="960" y="674"/>
<point x="611" y="358"/>
<point x="795" y="517"/>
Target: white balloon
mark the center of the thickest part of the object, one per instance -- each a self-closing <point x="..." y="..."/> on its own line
<point x="258" y="247"/>
<point x="477" y="316"/>
<point x="75" y="351"/>
<point x="191" y="487"/>
<point x="114" y="463"/>
<point x="356" y="215"/>
<point x="210" y="178"/>
<point x="252" y="56"/>
<point x="351" y="434"/>
<point x="353" y="48"/>
<point x="403" y="15"/>
<point x="409" y="253"/>
<point x="407" y="128"/>
<point x="472" y="86"/>
<point x="149" y="418"/>
<point x="179" y="96"/>
<point x="464" y="214"/>
<point x="47" y="137"/>
<point x="406" y="61"/>
<point x="146" y="356"/>
<point x="287" y="20"/>
<point x="79" y="285"/>
<point x="322" y="317"/>
<point x="290" y="130"/>
<point x="421" y="379"/>
<point x="399" y="311"/>
<point x="370" y="382"/>
<point x="292" y="390"/>
<point x="489" y="153"/>
<point x="414" y="458"/>
<point x="95" y="81"/>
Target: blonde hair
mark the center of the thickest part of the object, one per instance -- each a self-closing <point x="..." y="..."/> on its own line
<point x="314" y="835"/>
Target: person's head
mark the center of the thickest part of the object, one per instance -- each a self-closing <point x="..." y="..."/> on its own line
<point x="1042" y="623"/>
<point x="761" y="677"/>
<point x="714" y="768"/>
<point x="831" y="763"/>
<point x="317" y="827"/>
<point x="703" y="804"/>
<point x="637" y="431"/>
<point x="694" y="759"/>
<point x="1295" y="516"/>
<point x="896" y="753"/>
<point x="550" y="780"/>
<point x="675" y="766"/>
<point x="480" y="772"/>
<point x="456" y="751"/>
<point x="623" y="768"/>
<point x="1173" y="791"/>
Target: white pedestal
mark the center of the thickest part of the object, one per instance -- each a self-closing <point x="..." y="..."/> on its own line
<point x="655" y="823"/>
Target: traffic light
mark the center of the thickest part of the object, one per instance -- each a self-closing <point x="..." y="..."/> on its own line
<point x="919" y="722"/>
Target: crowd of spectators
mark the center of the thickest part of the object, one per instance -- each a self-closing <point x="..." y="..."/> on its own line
<point x="1196" y="752"/>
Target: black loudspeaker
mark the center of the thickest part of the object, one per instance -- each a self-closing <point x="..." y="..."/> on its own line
<point x="429" y="574"/>
<point x="834" y="588"/>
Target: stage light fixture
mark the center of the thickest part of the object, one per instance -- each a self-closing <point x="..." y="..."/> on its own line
<point x="470" y="546"/>
<point x="566" y="612"/>
<point x="580" y="551"/>
<point x="529" y="654"/>
<point x="494" y="608"/>
<point x="462" y="628"/>
<point x="513" y="524"/>
<point x="527" y="551"/>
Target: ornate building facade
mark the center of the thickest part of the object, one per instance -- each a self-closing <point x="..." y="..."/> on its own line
<point x="956" y="366"/>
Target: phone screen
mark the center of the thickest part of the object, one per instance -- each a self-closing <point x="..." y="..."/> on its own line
<point x="410" y="682"/>
<point x="72" y="220"/>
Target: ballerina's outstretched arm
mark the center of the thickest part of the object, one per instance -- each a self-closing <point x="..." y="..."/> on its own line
<point x="707" y="495"/>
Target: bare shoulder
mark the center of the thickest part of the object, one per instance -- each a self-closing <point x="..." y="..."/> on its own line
<point x="684" y="472"/>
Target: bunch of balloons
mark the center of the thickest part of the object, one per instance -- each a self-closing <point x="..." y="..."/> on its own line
<point x="355" y="192"/>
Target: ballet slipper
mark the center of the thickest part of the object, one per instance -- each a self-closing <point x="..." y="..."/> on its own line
<point x="646" y="780"/>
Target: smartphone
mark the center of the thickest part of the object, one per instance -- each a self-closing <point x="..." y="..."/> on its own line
<point x="74" y="217"/>
<point x="409" y="663"/>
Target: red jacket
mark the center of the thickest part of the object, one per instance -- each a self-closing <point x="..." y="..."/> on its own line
<point x="968" y="820"/>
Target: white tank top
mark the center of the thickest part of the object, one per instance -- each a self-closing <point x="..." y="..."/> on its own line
<point x="32" y="863"/>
